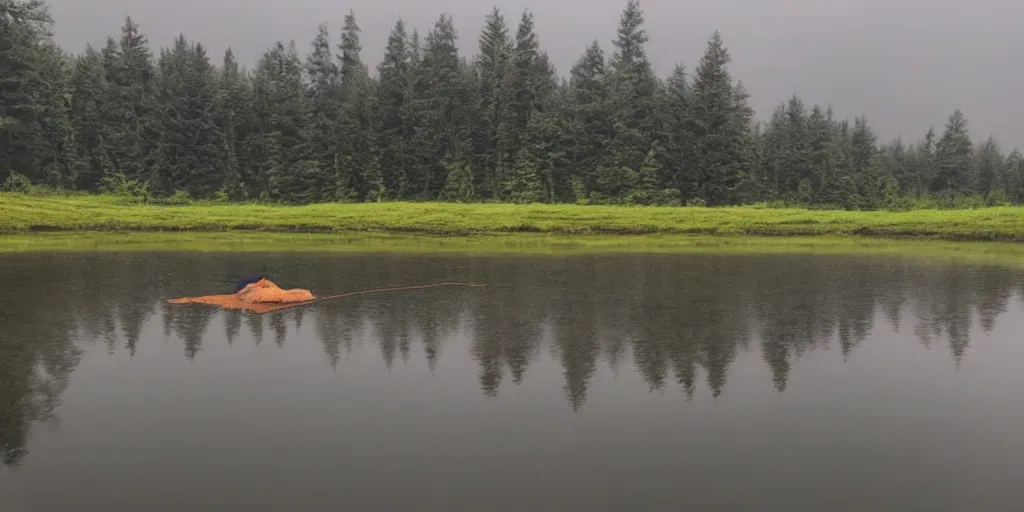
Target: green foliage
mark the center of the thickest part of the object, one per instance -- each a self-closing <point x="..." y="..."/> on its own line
<point x="178" y="198"/>
<point x="148" y="123"/>
<point x="392" y="114"/>
<point x="718" y="125"/>
<point x="117" y="184"/>
<point x="579" y="190"/>
<point x="523" y="184"/>
<point x="16" y="182"/>
<point x="459" y="185"/>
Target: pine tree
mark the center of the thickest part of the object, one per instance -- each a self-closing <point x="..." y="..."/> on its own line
<point x="55" y="150"/>
<point x="674" y="135"/>
<point x="190" y="142"/>
<point x="743" y="122"/>
<point x="26" y="12"/>
<point x="1014" y="177"/>
<point x="393" y="126"/>
<point x="643" y="183"/>
<point x="864" y="167"/>
<point x="236" y="120"/>
<point x="632" y="101"/>
<point x="491" y="68"/>
<point x="24" y="26"/>
<point x="589" y="124"/>
<point x="831" y="183"/>
<point x="278" y="98"/>
<point x="322" y="109"/>
<point x="130" y="133"/>
<point x="439" y="110"/>
<point x="433" y="124"/>
<point x="523" y="184"/>
<point x="953" y="153"/>
<point x="989" y="172"/>
<point x="459" y="183"/>
<point x="88" y="109"/>
<point x="357" y="144"/>
<point x="544" y="150"/>
<point x="922" y="162"/>
<point x="796" y="164"/>
<point x="715" y="128"/>
<point x="525" y="85"/>
<point x="819" y="146"/>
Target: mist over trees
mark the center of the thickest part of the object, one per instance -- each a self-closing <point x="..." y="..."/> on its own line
<point x="444" y="117"/>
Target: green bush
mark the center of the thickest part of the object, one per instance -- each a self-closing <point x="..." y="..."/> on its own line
<point x="119" y="185"/>
<point x="180" y="197"/>
<point x="17" y="183"/>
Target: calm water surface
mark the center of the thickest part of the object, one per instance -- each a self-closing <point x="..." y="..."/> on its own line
<point x="797" y="383"/>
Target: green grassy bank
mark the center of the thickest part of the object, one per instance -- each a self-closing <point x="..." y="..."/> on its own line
<point x="25" y="214"/>
<point x="512" y="244"/>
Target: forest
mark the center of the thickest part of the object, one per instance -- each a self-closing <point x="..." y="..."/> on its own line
<point x="432" y="122"/>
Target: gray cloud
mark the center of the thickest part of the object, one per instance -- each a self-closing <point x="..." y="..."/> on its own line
<point x="905" y="64"/>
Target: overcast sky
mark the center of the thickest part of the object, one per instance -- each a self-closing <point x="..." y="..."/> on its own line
<point x="905" y="64"/>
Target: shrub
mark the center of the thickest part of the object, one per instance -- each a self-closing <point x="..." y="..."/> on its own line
<point x="17" y="183"/>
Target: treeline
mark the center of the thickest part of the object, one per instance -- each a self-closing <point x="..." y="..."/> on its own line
<point x="434" y="124"/>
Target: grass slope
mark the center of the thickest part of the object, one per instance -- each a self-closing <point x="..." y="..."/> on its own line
<point x="989" y="253"/>
<point x="22" y="214"/>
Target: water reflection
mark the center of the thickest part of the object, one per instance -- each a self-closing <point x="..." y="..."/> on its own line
<point x="676" y="320"/>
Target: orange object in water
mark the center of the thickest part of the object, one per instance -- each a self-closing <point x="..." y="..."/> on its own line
<point x="264" y="296"/>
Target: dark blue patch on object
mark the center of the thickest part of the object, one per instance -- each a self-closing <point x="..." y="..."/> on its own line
<point x="247" y="281"/>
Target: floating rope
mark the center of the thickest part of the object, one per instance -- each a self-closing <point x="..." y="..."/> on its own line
<point x="376" y="290"/>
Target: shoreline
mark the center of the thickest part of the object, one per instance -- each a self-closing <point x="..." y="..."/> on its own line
<point x="508" y="245"/>
<point x="23" y="214"/>
<point x="89" y="223"/>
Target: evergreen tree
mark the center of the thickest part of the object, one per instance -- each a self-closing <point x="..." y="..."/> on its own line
<point x="864" y="166"/>
<point x="1014" y="177"/>
<point x="189" y="143"/>
<point x="922" y="162"/>
<point x="524" y="89"/>
<point x="24" y="26"/>
<point x="321" y="117"/>
<point x="439" y="90"/>
<point x="25" y="12"/>
<point x="589" y="126"/>
<point x="130" y="134"/>
<point x="88" y="119"/>
<point x="236" y="121"/>
<point x="358" y="175"/>
<point x="491" y="68"/>
<point x="523" y="184"/>
<point x="393" y="124"/>
<point x="433" y="124"/>
<point x="989" y="173"/>
<point x="674" y="136"/>
<point x="278" y="144"/>
<point x="819" y="148"/>
<point x="749" y="184"/>
<point x="796" y="159"/>
<point x="459" y="183"/>
<point x="55" y="151"/>
<point x="543" y="153"/>
<point x="716" y="128"/>
<point x="952" y="172"/>
<point x="632" y="100"/>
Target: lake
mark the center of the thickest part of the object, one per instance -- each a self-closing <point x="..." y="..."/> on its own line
<point x="612" y="382"/>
